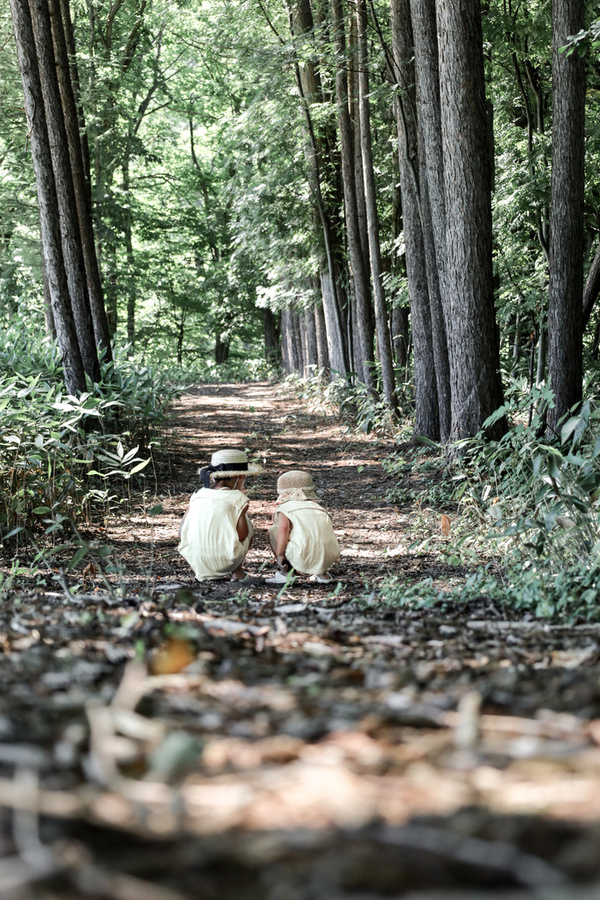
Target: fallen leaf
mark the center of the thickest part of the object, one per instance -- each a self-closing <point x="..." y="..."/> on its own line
<point x="446" y="525"/>
<point x="172" y="657"/>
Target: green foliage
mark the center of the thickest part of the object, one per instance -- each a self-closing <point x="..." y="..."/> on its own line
<point x="62" y="456"/>
<point x="572" y="594"/>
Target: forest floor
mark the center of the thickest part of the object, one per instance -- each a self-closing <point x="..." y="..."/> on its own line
<point x="169" y="740"/>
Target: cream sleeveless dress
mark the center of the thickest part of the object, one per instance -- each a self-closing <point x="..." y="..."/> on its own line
<point x="312" y="546"/>
<point x="209" y="539"/>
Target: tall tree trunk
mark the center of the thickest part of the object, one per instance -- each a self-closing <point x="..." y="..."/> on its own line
<point x="271" y="336"/>
<point x="381" y="317"/>
<point x="285" y="341"/>
<point x="358" y="263"/>
<point x="400" y="332"/>
<point x="53" y="262"/>
<point x="65" y="191"/>
<point x="336" y="349"/>
<point x="80" y="175"/>
<point x="431" y="163"/>
<point x="309" y="88"/>
<point x="474" y="360"/>
<point x="300" y="341"/>
<point x="432" y="373"/>
<point x="311" y="340"/>
<point x="320" y="328"/>
<point x="128" y="240"/>
<point x="565" y="366"/>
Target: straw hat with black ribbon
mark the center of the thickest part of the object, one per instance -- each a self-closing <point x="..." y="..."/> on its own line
<point x="228" y="464"/>
<point x="295" y="485"/>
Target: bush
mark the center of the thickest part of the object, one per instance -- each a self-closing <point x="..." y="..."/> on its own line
<point x="61" y="456"/>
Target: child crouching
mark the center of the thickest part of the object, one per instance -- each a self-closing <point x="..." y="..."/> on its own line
<point x="216" y="532"/>
<point x="302" y="535"/>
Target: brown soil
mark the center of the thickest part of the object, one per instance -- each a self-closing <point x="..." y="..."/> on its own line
<point x="170" y="739"/>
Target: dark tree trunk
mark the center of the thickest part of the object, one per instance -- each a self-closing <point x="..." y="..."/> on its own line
<point x="381" y="315"/>
<point x="65" y="191"/>
<point x="431" y="163"/>
<point x="46" y="191"/>
<point x="221" y="350"/>
<point x="65" y="13"/>
<point x="565" y="366"/>
<point x="432" y="374"/>
<point x="271" y="337"/>
<point x="361" y="321"/>
<point x="474" y="360"/>
<point x="80" y="175"/>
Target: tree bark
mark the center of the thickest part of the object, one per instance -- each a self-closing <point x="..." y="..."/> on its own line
<point x="429" y="116"/>
<point x="474" y="360"/>
<point x="431" y="367"/>
<point x="565" y="364"/>
<point x="285" y="341"/>
<point x="311" y="340"/>
<point x="322" y="352"/>
<point x="400" y="332"/>
<point x="358" y="265"/>
<point x="65" y="191"/>
<point x="271" y="336"/>
<point x="381" y="316"/>
<point x="71" y="117"/>
<point x="309" y="88"/>
<point x="53" y="263"/>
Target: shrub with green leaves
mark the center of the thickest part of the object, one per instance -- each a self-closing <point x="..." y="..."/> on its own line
<point x="61" y="456"/>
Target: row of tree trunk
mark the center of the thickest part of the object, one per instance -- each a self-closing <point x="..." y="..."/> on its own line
<point x="43" y="35"/>
<point x="445" y="161"/>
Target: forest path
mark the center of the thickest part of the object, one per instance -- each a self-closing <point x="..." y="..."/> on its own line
<point x="268" y="421"/>
<point x="191" y="740"/>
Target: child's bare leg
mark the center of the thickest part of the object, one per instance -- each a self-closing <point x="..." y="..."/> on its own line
<point x="238" y="574"/>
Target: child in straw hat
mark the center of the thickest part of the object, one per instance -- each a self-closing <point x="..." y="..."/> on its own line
<point x="216" y="531"/>
<point x="302" y="535"/>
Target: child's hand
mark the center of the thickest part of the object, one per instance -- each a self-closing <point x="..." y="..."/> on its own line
<point x="283" y="564"/>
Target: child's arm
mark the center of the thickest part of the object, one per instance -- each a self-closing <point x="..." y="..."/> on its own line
<point x="242" y="525"/>
<point x="283" y="536"/>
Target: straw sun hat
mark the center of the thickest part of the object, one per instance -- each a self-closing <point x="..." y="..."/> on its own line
<point x="295" y="485"/>
<point x="228" y="464"/>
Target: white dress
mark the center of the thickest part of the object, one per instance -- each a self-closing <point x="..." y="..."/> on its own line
<point x="312" y="546"/>
<point x="209" y="539"/>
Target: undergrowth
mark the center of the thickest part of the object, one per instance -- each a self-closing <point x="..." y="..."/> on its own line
<point x="66" y="459"/>
<point x="540" y="497"/>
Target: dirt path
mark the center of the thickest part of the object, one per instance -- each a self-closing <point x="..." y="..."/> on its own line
<point x="267" y="421"/>
<point x="207" y="740"/>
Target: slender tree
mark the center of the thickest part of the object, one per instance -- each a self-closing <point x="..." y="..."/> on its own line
<point x="358" y="262"/>
<point x="474" y="360"/>
<point x="72" y="117"/>
<point x="381" y="314"/>
<point x="431" y="372"/>
<point x="565" y="365"/>
<point x="65" y="189"/>
<point x="53" y="263"/>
